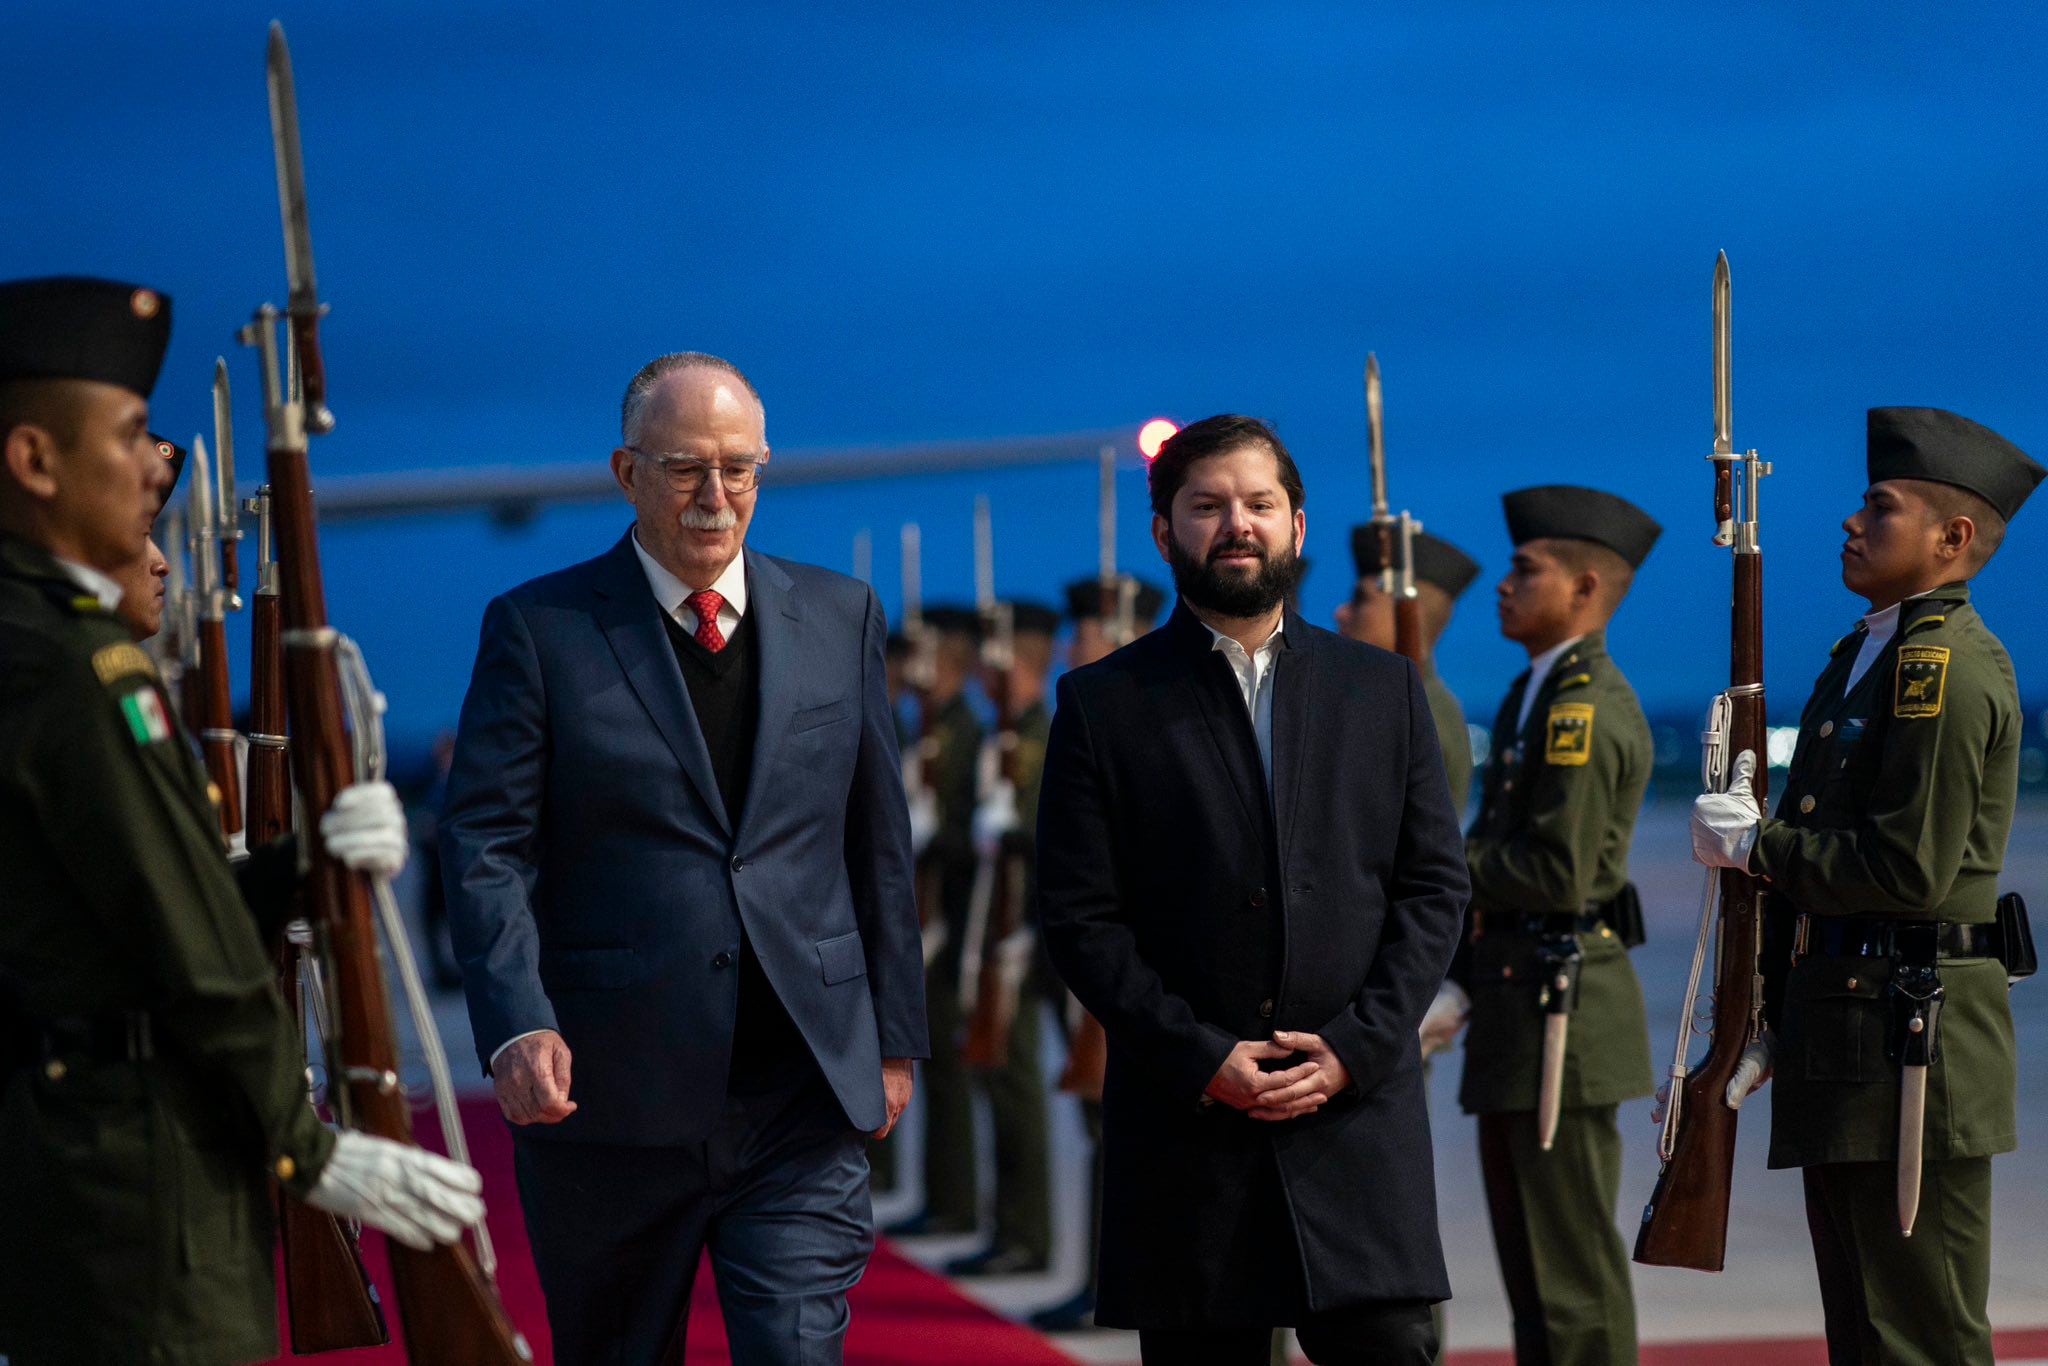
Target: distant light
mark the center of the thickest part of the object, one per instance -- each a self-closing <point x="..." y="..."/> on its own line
<point x="1155" y="434"/>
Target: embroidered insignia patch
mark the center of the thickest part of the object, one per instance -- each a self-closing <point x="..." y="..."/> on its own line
<point x="1921" y="679"/>
<point x="144" y="711"/>
<point x="1569" y="734"/>
<point x="118" y="661"/>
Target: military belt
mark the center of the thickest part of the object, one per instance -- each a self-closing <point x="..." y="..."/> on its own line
<point x="1550" y="926"/>
<point x="1911" y="941"/>
<point x="118" y="1036"/>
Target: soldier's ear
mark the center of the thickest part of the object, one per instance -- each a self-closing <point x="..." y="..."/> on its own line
<point x="29" y="454"/>
<point x="1958" y="533"/>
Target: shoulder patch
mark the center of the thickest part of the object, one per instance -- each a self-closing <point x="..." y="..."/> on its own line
<point x="119" y="661"/>
<point x="1568" y="734"/>
<point x="1922" y="676"/>
<point x="143" y="710"/>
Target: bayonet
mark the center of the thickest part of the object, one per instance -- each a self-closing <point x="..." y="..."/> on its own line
<point x="227" y="516"/>
<point x="1724" y="405"/>
<point x="1375" y="427"/>
<point x="302" y="307"/>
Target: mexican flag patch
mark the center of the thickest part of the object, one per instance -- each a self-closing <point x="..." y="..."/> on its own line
<point x="145" y="713"/>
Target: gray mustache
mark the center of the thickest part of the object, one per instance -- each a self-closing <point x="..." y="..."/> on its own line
<point x="696" y="519"/>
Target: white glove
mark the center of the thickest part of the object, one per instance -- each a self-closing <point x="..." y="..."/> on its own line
<point x="1753" y="1071"/>
<point x="1724" y="824"/>
<point x="1444" y="1018"/>
<point x="365" y="829"/>
<point x="416" y="1196"/>
<point x="924" y="820"/>
<point x="995" y="818"/>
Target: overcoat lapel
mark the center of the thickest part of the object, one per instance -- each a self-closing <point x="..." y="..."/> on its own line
<point x="1294" y="691"/>
<point x="631" y="621"/>
<point x="777" y="620"/>
<point x="1206" y="676"/>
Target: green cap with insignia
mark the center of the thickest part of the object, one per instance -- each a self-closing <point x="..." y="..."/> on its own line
<point x="74" y="327"/>
<point x="1033" y="618"/>
<point x="1437" y="561"/>
<point x="1948" y="448"/>
<point x="1569" y="512"/>
<point x="174" y="454"/>
<point x="1084" y="599"/>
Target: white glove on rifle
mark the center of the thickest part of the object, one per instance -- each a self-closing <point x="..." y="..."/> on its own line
<point x="365" y="829"/>
<point x="418" y="1197"/>
<point x="924" y="820"/>
<point x="995" y="818"/>
<point x="1724" y="824"/>
<point x="1444" y="1018"/>
<point x="1753" y="1071"/>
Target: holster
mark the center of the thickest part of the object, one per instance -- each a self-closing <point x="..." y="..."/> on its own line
<point x="1916" y="998"/>
<point x="1558" y="960"/>
<point x="1623" y="913"/>
<point x="2016" y="938"/>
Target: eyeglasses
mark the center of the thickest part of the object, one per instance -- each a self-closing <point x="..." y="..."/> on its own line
<point x="686" y="474"/>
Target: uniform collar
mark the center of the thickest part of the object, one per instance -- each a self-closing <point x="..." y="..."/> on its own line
<point x="92" y="581"/>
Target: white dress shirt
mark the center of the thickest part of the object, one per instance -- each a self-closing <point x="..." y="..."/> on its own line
<point x="1539" y="669"/>
<point x="1254" y="671"/>
<point x="671" y="592"/>
<point x="1879" y="628"/>
<point x="92" y="581"/>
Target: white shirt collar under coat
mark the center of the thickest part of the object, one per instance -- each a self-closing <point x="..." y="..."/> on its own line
<point x="1539" y="669"/>
<point x="92" y="581"/>
<point x="1878" y="629"/>
<point x="672" y="593"/>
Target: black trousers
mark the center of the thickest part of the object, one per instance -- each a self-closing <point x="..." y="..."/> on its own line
<point x="1384" y="1333"/>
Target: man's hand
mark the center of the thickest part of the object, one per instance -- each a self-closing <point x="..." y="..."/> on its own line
<point x="1724" y="824"/>
<point x="419" y="1198"/>
<point x="365" y="829"/>
<point x="1444" y="1018"/>
<point x="532" y="1079"/>
<point x="898" y="1077"/>
<point x="1327" y="1076"/>
<point x="1241" y="1085"/>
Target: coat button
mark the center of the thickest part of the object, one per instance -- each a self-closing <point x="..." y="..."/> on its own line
<point x="1257" y="898"/>
<point x="1851" y="984"/>
<point x="1265" y="1010"/>
<point x="1827" y="728"/>
<point x="54" y="1069"/>
<point x="738" y="863"/>
<point x="284" y="1168"/>
<point x="723" y="960"/>
<point x="1806" y="803"/>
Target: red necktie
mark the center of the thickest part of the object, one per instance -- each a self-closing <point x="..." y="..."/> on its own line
<point x="706" y="605"/>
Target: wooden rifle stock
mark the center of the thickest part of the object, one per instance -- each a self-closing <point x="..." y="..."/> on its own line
<point x="1087" y="1060"/>
<point x="270" y="794"/>
<point x="996" y="990"/>
<point x="217" y="725"/>
<point x="1408" y="630"/>
<point x="450" y="1313"/>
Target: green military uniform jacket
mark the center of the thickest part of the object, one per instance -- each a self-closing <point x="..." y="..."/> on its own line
<point x="1557" y="811"/>
<point x="955" y="773"/>
<point x="136" y="1192"/>
<point x="1451" y="735"/>
<point x="1897" y="806"/>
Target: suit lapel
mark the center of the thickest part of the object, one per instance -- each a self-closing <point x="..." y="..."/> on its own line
<point x="773" y="611"/>
<point x="631" y="621"/>
<point x="1207" y="677"/>
<point x="1294" y="685"/>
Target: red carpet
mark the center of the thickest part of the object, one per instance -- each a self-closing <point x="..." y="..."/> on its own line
<point x="903" y="1315"/>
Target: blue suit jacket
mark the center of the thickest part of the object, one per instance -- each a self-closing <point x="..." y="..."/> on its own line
<point x="598" y="886"/>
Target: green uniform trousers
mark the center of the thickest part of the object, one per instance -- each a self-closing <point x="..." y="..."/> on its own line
<point x="1016" y="1102"/>
<point x="949" y="1186"/>
<point x="1563" y="1260"/>
<point x="1895" y="1301"/>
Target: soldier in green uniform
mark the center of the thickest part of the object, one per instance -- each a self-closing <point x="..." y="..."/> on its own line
<point x="1884" y="933"/>
<point x="954" y="736"/>
<point x="1550" y="895"/>
<point x="1442" y="574"/>
<point x="1004" y="824"/>
<point x="151" y="1081"/>
<point x="1094" y="638"/>
<point x="142" y="578"/>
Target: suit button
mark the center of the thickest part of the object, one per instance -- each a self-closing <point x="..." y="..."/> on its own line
<point x="723" y="960"/>
<point x="1827" y="728"/>
<point x="738" y="863"/>
<point x="1257" y="898"/>
<point x="1265" y="1010"/>
<point x="1806" y="803"/>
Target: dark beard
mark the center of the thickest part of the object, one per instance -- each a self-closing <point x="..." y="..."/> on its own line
<point x="1227" y="593"/>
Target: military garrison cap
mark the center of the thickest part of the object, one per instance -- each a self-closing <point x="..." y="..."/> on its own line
<point x="1033" y="618"/>
<point x="72" y="327"/>
<point x="950" y="620"/>
<point x="1437" y="561"/>
<point x="1084" y="599"/>
<point x="1948" y="448"/>
<point x="1571" y="513"/>
<point x="175" y="454"/>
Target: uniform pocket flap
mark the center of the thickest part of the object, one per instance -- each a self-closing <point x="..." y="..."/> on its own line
<point x="1847" y="979"/>
<point x="842" y="958"/>
<point x="589" y="969"/>
<point x="810" y="718"/>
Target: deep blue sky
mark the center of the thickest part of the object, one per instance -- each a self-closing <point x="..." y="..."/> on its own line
<point x="923" y="221"/>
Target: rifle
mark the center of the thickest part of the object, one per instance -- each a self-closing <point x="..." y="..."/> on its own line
<point x="1686" y="1221"/>
<point x="920" y="770"/>
<point x="445" y="1299"/>
<point x="997" y="946"/>
<point x="1395" y="532"/>
<point x="215" y="716"/>
<point x="1088" y="1047"/>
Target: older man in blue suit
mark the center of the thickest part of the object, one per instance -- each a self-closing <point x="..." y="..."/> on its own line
<point x="677" y="852"/>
